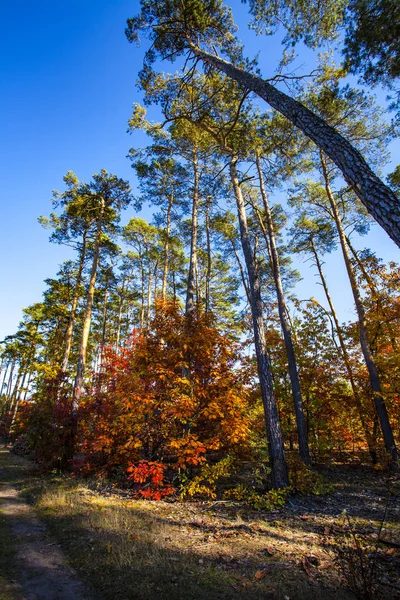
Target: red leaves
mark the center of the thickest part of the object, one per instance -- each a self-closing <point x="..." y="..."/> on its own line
<point x="150" y="475"/>
<point x="168" y="399"/>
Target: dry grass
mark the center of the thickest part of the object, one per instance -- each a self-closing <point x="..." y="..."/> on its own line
<point x="144" y="550"/>
<point x="130" y="549"/>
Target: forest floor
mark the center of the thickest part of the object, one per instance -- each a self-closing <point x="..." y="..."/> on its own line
<point x="32" y="565"/>
<point x="135" y="549"/>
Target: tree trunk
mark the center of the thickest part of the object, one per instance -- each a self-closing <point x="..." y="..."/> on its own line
<point x="364" y="341"/>
<point x="369" y="438"/>
<point x="287" y="336"/>
<point x="142" y="296"/>
<point x="80" y="370"/>
<point x="104" y="324"/>
<point x="242" y="274"/>
<point x="375" y="294"/>
<point x="209" y="263"/>
<point x="28" y="384"/>
<point x="379" y="200"/>
<point x="150" y="279"/>
<point x="277" y="455"/>
<point x="9" y="382"/>
<point x="121" y="305"/>
<point x="4" y="378"/>
<point x="191" y="284"/>
<point x="166" y="249"/>
<point x="71" y="322"/>
<point x="17" y="398"/>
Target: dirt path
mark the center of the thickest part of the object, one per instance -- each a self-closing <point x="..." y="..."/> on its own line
<point x="41" y="571"/>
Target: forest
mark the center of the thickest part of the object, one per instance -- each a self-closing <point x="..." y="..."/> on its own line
<point x="171" y="357"/>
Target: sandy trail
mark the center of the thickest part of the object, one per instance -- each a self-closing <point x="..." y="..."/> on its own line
<point x="41" y="569"/>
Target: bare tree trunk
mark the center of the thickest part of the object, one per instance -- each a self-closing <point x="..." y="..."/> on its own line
<point x="242" y="273"/>
<point x="80" y="371"/>
<point x="277" y="455"/>
<point x="364" y="340"/>
<point x="191" y="284"/>
<point x="150" y="278"/>
<point x="104" y="319"/>
<point x="15" y="403"/>
<point x="28" y="384"/>
<point x="4" y="378"/>
<point x="155" y="281"/>
<point x="369" y="438"/>
<point x="287" y="336"/>
<point x="9" y="382"/>
<point x="121" y="305"/>
<point x="71" y="322"/>
<point x="379" y="200"/>
<point x="142" y="296"/>
<point x="209" y="263"/>
<point x="166" y="249"/>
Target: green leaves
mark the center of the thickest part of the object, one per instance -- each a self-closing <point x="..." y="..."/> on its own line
<point x="175" y="26"/>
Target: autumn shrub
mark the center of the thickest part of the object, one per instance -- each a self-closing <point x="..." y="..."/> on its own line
<point x="304" y="480"/>
<point x="150" y="481"/>
<point x="270" y="500"/>
<point x="204" y="484"/>
<point x="44" y="424"/>
<point x="173" y="397"/>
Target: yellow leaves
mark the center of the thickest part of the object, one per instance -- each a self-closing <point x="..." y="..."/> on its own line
<point x="177" y="393"/>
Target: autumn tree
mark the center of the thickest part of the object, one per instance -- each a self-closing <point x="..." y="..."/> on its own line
<point x="103" y="198"/>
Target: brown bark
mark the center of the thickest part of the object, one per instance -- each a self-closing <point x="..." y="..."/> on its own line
<point x="277" y="455"/>
<point x="287" y="336"/>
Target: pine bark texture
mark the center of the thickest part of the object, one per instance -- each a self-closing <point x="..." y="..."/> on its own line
<point x="277" y="455"/>
<point x="285" y="325"/>
<point x="191" y="284"/>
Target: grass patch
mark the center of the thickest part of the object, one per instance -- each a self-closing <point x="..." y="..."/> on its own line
<point x="146" y="550"/>
<point x="137" y="549"/>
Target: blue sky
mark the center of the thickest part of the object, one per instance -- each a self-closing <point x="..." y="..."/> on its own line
<point x="67" y="86"/>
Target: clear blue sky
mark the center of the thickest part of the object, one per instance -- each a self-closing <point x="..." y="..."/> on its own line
<point x="67" y="87"/>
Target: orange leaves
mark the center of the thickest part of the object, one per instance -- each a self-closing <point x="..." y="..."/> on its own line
<point x="150" y="475"/>
<point x="190" y="451"/>
<point x="173" y="396"/>
<point x="146" y="470"/>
